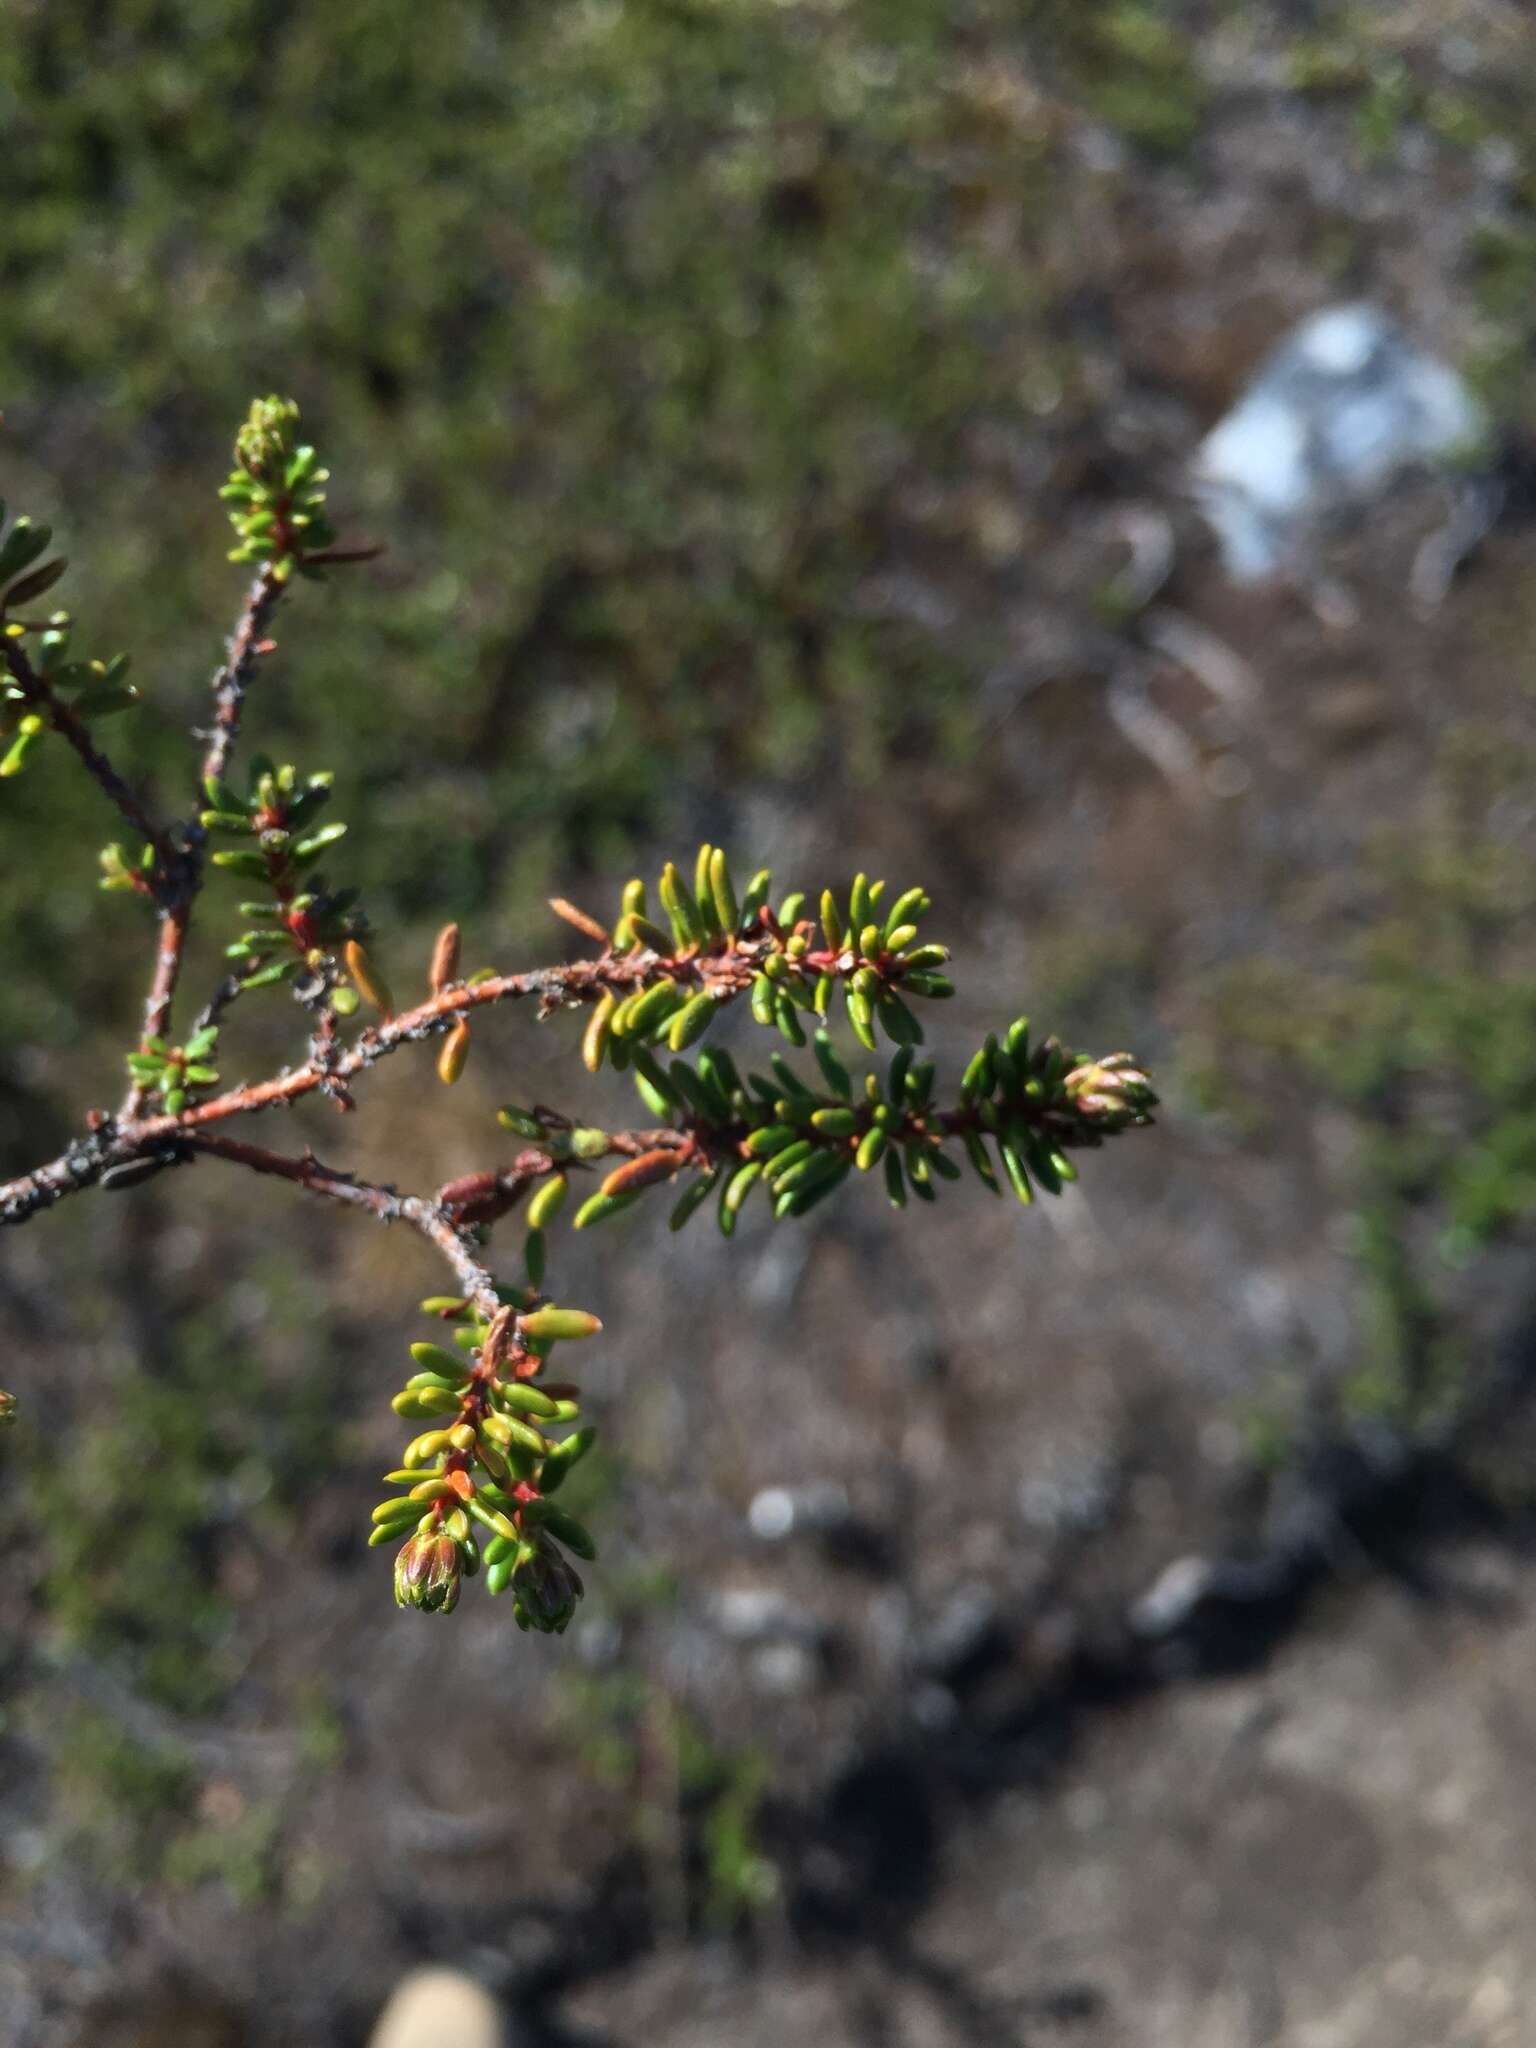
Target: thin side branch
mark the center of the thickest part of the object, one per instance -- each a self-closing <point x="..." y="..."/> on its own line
<point x="386" y="1204"/>
<point x="557" y="988"/>
<point x="175" y="920"/>
<point x="185" y="875"/>
<point x="231" y="682"/>
<point x="41" y="697"/>
<point x="118" y="1141"/>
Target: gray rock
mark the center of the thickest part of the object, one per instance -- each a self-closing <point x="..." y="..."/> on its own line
<point x="1345" y="405"/>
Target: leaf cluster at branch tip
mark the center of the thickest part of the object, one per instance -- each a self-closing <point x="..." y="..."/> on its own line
<point x="475" y="1488"/>
<point x="276" y="503"/>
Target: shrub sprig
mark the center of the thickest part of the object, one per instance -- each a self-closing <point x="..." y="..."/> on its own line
<point x="474" y="1493"/>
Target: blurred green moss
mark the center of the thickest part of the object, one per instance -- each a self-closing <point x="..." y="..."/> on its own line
<point x="1138" y="73"/>
<point x="171" y="1472"/>
<point x="623" y="326"/>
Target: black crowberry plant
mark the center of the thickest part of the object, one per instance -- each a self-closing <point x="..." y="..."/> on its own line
<point x="477" y="1488"/>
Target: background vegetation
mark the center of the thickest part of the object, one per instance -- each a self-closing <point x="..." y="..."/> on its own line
<point x="744" y="392"/>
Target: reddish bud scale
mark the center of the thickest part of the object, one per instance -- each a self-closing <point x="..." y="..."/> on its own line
<point x="370" y="984"/>
<point x="588" y="926"/>
<point x="467" y="1189"/>
<point x="462" y="1484"/>
<point x="642" y="1172"/>
<point x="445" y="958"/>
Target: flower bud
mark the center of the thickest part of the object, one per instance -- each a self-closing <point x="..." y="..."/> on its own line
<point x="428" y="1572"/>
<point x="642" y="1172"/>
<point x="547" y="1590"/>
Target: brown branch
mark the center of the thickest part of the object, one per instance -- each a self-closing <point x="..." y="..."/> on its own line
<point x="424" y="1215"/>
<point x="117" y="1141"/>
<point x="39" y="693"/>
<point x="80" y="1167"/>
<point x="231" y="682"/>
<point x="584" y="981"/>
<point x="185" y="876"/>
<point x="726" y="971"/>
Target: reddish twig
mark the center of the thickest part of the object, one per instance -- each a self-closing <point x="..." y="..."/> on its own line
<point x="556" y="988"/>
<point x="117" y="1141"/>
<point x="184" y="875"/>
<point x="726" y="971"/>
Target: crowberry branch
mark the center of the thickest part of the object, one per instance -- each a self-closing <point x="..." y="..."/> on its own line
<point x="475" y="1488"/>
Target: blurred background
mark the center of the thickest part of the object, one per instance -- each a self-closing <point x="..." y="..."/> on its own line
<point x="1111" y="1625"/>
